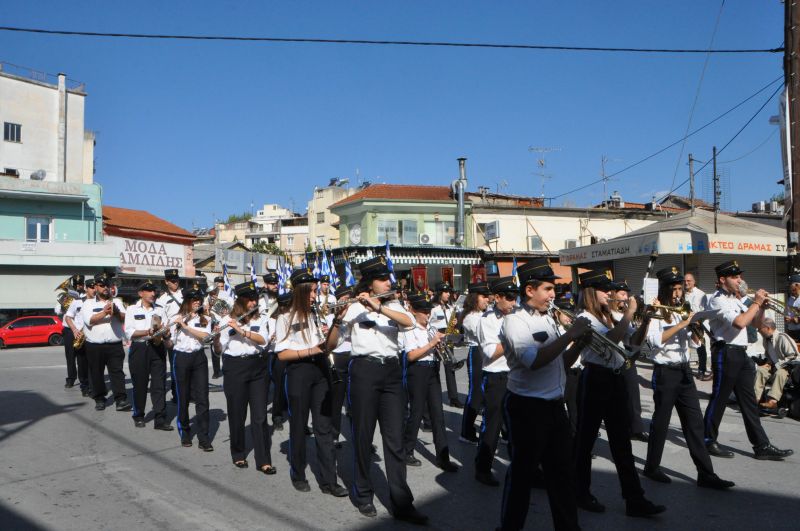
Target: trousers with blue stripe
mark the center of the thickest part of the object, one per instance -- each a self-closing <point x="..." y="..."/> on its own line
<point x="424" y="390"/>
<point x="308" y="390"/>
<point x="494" y="389"/>
<point x="190" y="375"/>
<point x="474" y="401"/>
<point x="245" y="386"/>
<point x="148" y="364"/>
<point x="733" y="371"/>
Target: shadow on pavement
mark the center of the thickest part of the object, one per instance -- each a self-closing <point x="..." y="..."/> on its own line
<point x="13" y="521"/>
<point x="28" y="408"/>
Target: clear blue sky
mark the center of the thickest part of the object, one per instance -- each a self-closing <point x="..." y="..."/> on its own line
<point x="187" y="130"/>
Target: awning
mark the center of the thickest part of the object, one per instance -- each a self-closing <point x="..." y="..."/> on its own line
<point x="413" y="255"/>
<point x="44" y="196"/>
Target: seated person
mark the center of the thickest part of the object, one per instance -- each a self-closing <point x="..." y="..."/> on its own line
<point x="779" y="348"/>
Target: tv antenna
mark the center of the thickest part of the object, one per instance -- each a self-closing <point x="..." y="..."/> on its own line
<point x="603" y="161"/>
<point x="541" y="162"/>
<point x="501" y="185"/>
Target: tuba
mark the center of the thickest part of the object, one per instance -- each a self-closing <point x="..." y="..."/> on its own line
<point x="66" y="296"/>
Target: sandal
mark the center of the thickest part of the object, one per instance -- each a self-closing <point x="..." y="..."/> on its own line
<point x="240" y="464"/>
<point x="268" y="470"/>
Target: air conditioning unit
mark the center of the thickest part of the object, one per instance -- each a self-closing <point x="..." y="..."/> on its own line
<point x="602" y="240"/>
<point x="570" y="244"/>
<point x="425" y="239"/>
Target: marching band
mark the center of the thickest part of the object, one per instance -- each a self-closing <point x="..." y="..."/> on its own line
<point x="376" y="352"/>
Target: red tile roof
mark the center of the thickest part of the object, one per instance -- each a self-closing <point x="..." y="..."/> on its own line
<point x="399" y="192"/>
<point x="129" y="223"/>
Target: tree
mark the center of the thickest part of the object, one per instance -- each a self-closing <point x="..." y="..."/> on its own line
<point x="267" y="248"/>
<point x="777" y="197"/>
<point x="235" y="218"/>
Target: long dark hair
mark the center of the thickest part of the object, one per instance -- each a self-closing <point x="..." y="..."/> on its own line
<point x="587" y="300"/>
<point x="665" y="299"/>
<point x="240" y="309"/>
<point x="470" y="305"/>
<point x="186" y="309"/>
<point x="300" y="310"/>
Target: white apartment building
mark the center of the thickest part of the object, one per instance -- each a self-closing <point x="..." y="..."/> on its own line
<point x="323" y="225"/>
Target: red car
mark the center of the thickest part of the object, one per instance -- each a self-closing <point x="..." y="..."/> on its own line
<point x="32" y="329"/>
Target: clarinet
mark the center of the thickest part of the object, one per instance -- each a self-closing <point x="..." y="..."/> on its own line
<point x="331" y="367"/>
<point x="214" y="335"/>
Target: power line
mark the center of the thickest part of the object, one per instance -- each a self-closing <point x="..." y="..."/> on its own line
<point x="310" y="40"/>
<point x="762" y="144"/>
<point x="673" y="144"/>
<point x="728" y="143"/>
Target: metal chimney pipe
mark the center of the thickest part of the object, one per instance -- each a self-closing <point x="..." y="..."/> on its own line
<point x="458" y="187"/>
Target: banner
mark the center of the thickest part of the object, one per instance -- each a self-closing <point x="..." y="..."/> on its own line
<point x="151" y="258"/>
<point x="447" y="275"/>
<point x="477" y="273"/>
<point x="420" y="277"/>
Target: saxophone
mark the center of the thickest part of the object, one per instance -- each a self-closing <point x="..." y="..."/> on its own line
<point x="446" y="353"/>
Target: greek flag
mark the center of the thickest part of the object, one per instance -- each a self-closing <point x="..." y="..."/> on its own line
<point x="349" y="279"/>
<point x="324" y="266"/>
<point x="228" y="288"/>
<point x="389" y="263"/>
<point x="281" y="276"/>
<point x="514" y="271"/>
<point x="253" y="275"/>
<point x="332" y="268"/>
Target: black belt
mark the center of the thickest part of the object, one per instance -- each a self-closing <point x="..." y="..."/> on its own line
<point x="721" y="344"/>
<point x="680" y="366"/>
<point x="500" y="374"/>
<point x="382" y="360"/>
<point x="594" y="366"/>
<point x="426" y="363"/>
<point x="114" y="343"/>
<point x="244" y="357"/>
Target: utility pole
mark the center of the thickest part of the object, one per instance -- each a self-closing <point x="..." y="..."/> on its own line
<point x="716" y="188"/>
<point x="603" y="161"/>
<point x="791" y="72"/>
<point x="691" y="182"/>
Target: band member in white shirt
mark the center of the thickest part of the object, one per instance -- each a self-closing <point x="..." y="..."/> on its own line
<point x="216" y="310"/>
<point x="325" y="298"/>
<point x="190" y="326"/>
<point x="73" y="320"/>
<point x="673" y="386"/>
<point x="341" y="361"/>
<point x="733" y="369"/>
<point x="171" y="301"/>
<point x="441" y="315"/>
<point x="603" y="397"/>
<point x="76" y="286"/>
<point x="539" y="429"/>
<point x="494" y="375"/>
<point x="375" y="390"/>
<point x="244" y="365"/>
<point x="147" y="356"/>
<point x="475" y="305"/>
<point x="103" y="320"/>
<point x="421" y="380"/>
<point x="277" y="368"/>
<point x="302" y="343"/>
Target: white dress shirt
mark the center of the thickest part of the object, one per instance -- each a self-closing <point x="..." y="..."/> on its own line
<point x="441" y="315"/>
<point x="137" y="318"/>
<point x="472" y="322"/>
<point x="171" y="307"/>
<point x="728" y="307"/>
<point x="615" y="361"/>
<point x="524" y="332"/>
<point x="489" y="339"/>
<point x="108" y="330"/>
<point x="296" y="335"/>
<point x="74" y="313"/>
<point x="185" y="342"/>
<point x="235" y="344"/>
<point x="373" y="333"/>
<point x="413" y="339"/>
<point x="676" y="349"/>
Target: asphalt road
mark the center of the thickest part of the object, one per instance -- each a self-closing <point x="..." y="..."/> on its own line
<point x="66" y="466"/>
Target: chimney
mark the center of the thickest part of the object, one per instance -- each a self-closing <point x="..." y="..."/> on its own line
<point x="62" y="128"/>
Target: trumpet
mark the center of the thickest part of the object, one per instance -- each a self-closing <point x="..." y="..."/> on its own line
<point x="596" y="341"/>
<point x="348" y="302"/>
<point x="684" y="310"/>
<point x="772" y="302"/>
<point x="443" y="351"/>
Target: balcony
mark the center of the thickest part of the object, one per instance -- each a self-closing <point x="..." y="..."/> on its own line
<point x="73" y="254"/>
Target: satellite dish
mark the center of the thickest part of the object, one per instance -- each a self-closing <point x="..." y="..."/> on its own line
<point x="38" y="175"/>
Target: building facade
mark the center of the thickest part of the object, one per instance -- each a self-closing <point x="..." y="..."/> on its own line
<point x="323" y="225"/>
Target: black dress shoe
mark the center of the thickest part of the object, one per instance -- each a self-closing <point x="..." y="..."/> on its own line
<point x="368" y="510"/>
<point x="139" y="423"/>
<point x="447" y="465"/>
<point x="215" y="376"/>
<point x="713" y="481"/>
<point x="641" y="436"/>
<point x="186" y="443"/>
<point x="487" y="478"/>
<point x="99" y="406"/>
<point x="86" y="392"/>
<point x="334" y="490"/>
<point x="657" y="475"/>
<point x="277" y="424"/>
<point x="412" y="461"/>
<point x="69" y="385"/>
<point x="240" y="464"/>
<point x="205" y="446"/>
<point x="426" y="427"/>
<point x="308" y="431"/>
<point x="590" y="503"/>
<point x="124" y="405"/>
<point x="163" y="427"/>
<point x="411" y="515"/>
<point x="643" y="508"/>
<point x="771" y="453"/>
<point x="717" y="451"/>
<point x="301" y="485"/>
<point x="456" y="403"/>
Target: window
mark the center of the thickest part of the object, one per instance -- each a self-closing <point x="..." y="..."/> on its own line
<point x="409" y="234"/>
<point x="290" y="241"/>
<point x="535" y="243"/>
<point x="446" y="232"/>
<point x="12" y="132"/>
<point x="37" y="229"/>
<point x="24" y="323"/>
<point x="387" y="230"/>
<point x="321" y="217"/>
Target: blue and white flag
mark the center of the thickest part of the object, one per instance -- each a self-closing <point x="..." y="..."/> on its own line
<point x="281" y="276"/>
<point x="228" y="288"/>
<point x="253" y="275"/>
<point x="332" y="268"/>
<point x="324" y="268"/>
<point x="389" y="263"/>
<point x="349" y="279"/>
<point x="514" y="271"/>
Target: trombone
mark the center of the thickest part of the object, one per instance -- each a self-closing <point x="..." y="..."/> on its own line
<point x="653" y="310"/>
<point x="596" y="341"/>
<point x="772" y="302"/>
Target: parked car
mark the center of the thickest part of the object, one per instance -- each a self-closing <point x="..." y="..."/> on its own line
<point x="32" y="329"/>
